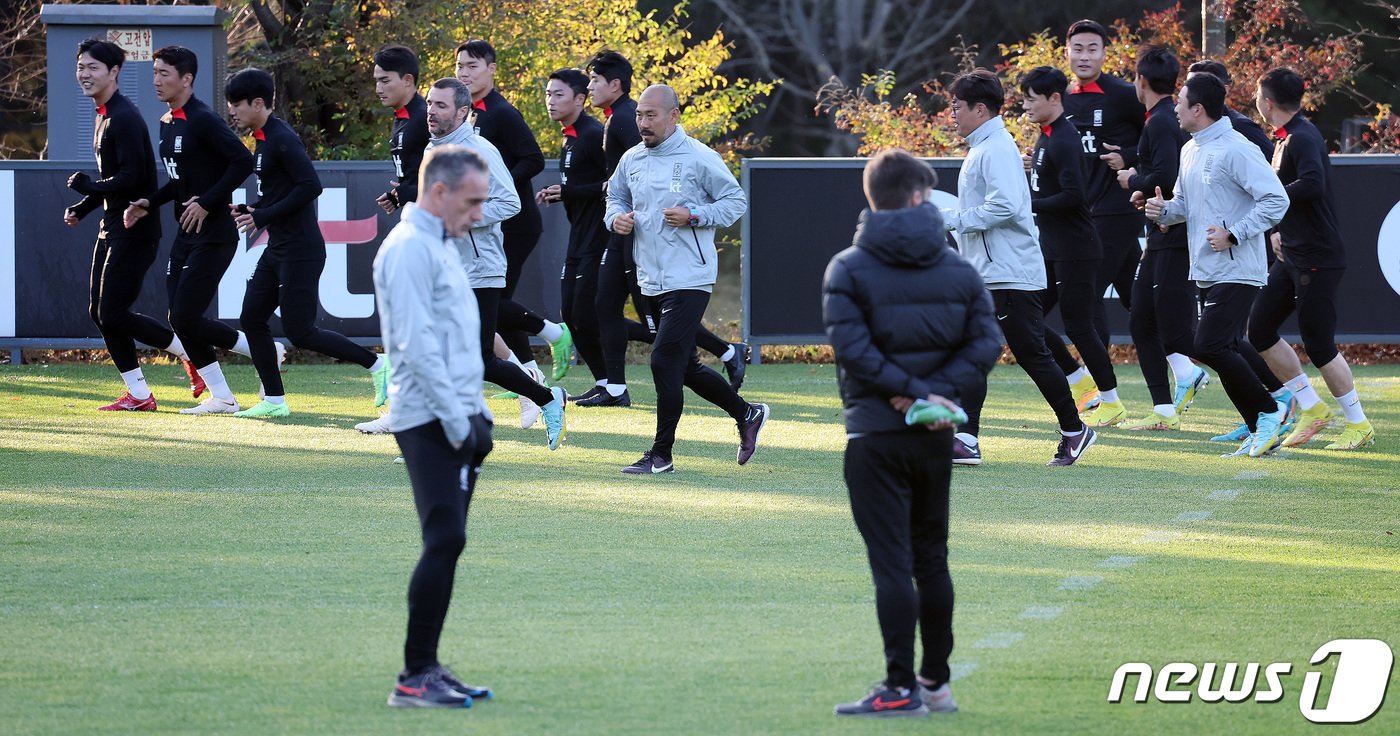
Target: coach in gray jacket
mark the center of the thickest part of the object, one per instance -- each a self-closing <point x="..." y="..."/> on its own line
<point x="673" y="192"/>
<point x="996" y="233"/>
<point x="429" y="322"/>
<point x="1229" y="198"/>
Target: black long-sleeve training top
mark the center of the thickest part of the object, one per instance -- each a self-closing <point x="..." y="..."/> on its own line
<point x="1159" y="160"/>
<point x="583" y="169"/>
<point x="287" y="190"/>
<point x="407" y="141"/>
<point x="1059" y="197"/>
<point x="499" y="122"/>
<point x="204" y="159"/>
<point x="126" y="169"/>
<point x="1106" y="110"/>
<point x="1309" y="231"/>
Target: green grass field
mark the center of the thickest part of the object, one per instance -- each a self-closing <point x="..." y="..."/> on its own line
<point x="171" y="574"/>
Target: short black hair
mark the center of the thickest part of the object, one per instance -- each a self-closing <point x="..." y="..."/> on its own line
<point x="979" y="85"/>
<point x="1088" y="26"/>
<point x="184" y="60"/>
<point x="575" y="78"/>
<point x="398" y="59"/>
<point x="1045" y="81"/>
<point x="1284" y="86"/>
<point x="102" y="50"/>
<point x="611" y="65"/>
<point x="1207" y="91"/>
<point x="1159" y="67"/>
<point x="893" y="176"/>
<point x="250" y="84"/>
<point x="478" y="49"/>
<point x="1211" y="67"/>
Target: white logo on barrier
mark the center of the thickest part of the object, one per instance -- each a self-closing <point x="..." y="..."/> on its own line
<point x="335" y="294"/>
<point x="1357" y="691"/>
<point x="1388" y="248"/>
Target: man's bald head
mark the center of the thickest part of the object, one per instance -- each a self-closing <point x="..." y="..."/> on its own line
<point x="658" y="113"/>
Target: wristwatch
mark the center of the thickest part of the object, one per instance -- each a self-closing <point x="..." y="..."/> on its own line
<point x="694" y="218"/>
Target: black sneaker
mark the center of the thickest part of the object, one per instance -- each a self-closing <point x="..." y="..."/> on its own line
<point x="749" y="429"/>
<point x="1072" y="447"/>
<point x="475" y="692"/>
<point x="965" y="454"/>
<point x="885" y="702"/>
<point x="650" y="464"/>
<point x="590" y="393"/>
<point x="736" y="365"/>
<point x="427" y="689"/>
<point x="603" y="398"/>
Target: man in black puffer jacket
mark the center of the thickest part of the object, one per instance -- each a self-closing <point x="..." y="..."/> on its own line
<point x="908" y="319"/>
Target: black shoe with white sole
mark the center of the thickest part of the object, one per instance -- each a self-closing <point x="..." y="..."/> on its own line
<point x="650" y="464"/>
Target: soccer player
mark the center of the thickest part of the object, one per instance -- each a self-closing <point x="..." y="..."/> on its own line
<point x="672" y="193"/>
<point x="1068" y="240"/>
<point x="1229" y="198"/>
<point x="582" y="171"/>
<point x="1308" y="271"/>
<point x="1244" y="124"/>
<point x="1109" y="117"/>
<point x="496" y="120"/>
<point x="907" y="320"/>
<point x="396" y="85"/>
<point x="483" y="255"/>
<point x="429" y="322"/>
<point x="996" y="234"/>
<point x="205" y="161"/>
<point x="610" y="89"/>
<point x="1163" y="320"/>
<point x="126" y="167"/>
<point x="288" y="273"/>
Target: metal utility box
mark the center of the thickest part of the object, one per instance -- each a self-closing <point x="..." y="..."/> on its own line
<point x="140" y="30"/>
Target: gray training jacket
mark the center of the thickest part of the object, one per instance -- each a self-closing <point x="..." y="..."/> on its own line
<point x="483" y="249"/>
<point x="680" y="172"/>
<point x="431" y="328"/>
<point x="1224" y="181"/>
<point x="993" y="224"/>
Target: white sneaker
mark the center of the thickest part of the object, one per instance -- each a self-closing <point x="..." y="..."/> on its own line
<point x="529" y="413"/>
<point x="212" y="405"/>
<point x="281" y="358"/>
<point x="375" y="426"/>
<point x="940" y="700"/>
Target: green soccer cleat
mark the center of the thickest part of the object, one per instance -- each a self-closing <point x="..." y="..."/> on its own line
<point x="1154" y="422"/>
<point x="264" y="410"/>
<point x="1310" y="422"/>
<point x="561" y="351"/>
<point x="1354" y="436"/>
<point x="381" y="383"/>
<point x="1108" y="414"/>
<point x="1086" y="394"/>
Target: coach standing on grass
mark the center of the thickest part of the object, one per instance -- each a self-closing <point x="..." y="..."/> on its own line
<point x="673" y="193"/>
<point x="908" y="319"/>
<point x="428" y="317"/>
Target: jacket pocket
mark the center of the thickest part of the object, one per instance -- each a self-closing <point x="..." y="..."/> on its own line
<point x="474" y="248"/>
<point x="986" y="248"/>
<point x="698" y="250"/>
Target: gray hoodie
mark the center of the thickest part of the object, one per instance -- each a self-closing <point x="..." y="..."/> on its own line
<point x="431" y="328"/>
<point x="1223" y="182"/>
<point x="679" y="172"/>
<point x="483" y="248"/>
<point x="993" y="224"/>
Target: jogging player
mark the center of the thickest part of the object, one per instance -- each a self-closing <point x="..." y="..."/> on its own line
<point x="1305" y="277"/>
<point x="908" y="319"/>
<point x="126" y="171"/>
<point x="1229" y="198"/>
<point x="672" y="192"/>
<point x="996" y="234"/>
<point x="429" y="322"/>
<point x="288" y="273"/>
<point x="204" y="161"/>
<point x="396" y="86"/>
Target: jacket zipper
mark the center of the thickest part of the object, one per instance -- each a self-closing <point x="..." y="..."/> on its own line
<point x="698" y="252"/>
<point x="987" y="248"/>
<point x="473" y="239"/>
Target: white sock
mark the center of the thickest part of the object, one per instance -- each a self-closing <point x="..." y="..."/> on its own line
<point x="728" y="354"/>
<point x="1082" y="427"/>
<point x="1165" y="410"/>
<point x="275" y="399"/>
<point x="601" y="382"/>
<point x="1303" y="391"/>
<point x="1182" y="367"/>
<point x="967" y="439"/>
<point x="136" y="385"/>
<point x="213" y="377"/>
<point x="510" y="356"/>
<point x="1280" y="393"/>
<point x="1351" y="407"/>
<point x="241" y="347"/>
<point x="177" y="348"/>
<point x="1078" y="375"/>
<point x="378" y="363"/>
<point x="551" y="332"/>
<point x="1108" y="396"/>
<point x="616" y="389"/>
<point x="532" y="367"/>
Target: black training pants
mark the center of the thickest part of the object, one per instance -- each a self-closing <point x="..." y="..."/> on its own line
<point x="191" y="282"/>
<point x="675" y="365"/>
<point x="1121" y="236"/>
<point x="119" y="266"/>
<point x="578" y="292"/>
<point x="515" y="322"/>
<point x="1224" y="311"/>
<point x="500" y="371"/>
<point x="1022" y="321"/>
<point x="1073" y="288"/>
<point x="898" y="484"/>
<point x="443" y="480"/>
<point x="1163" y="320"/>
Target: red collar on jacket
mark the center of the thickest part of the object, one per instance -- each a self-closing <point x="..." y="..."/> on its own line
<point x="480" y="104"/>
<point x="259" y="135"/>
<point x="102" y="109"/>
<point x="401" y="113"/>
<point x="1090" y="87"/>
<point x="569" y="132"/>
<point x="1046" y="130"/>
<point x="178" y="114"/>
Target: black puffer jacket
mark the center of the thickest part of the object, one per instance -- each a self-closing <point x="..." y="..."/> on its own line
<point x="906" y="315"/>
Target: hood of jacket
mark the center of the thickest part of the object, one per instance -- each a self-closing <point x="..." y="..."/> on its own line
<point x="912" y="237"/>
